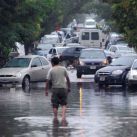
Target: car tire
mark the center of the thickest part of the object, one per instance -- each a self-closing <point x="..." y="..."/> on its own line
<point x="26" y="82"/>
<point x="79" y="75"/>
<point x="100" y="85"/>
<point x="124" y="83"/>
<point x="129" y="85"/>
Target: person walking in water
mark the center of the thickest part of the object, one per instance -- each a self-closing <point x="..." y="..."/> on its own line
<point x="59" y="81"/>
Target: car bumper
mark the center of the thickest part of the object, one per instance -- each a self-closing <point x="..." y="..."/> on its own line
<point x="87" y="69"/>
<point x="110" y="80"/>
<point x="9" y="80"/>
<point x="132" y="82"/>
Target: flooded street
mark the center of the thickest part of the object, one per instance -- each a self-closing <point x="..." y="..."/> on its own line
<point x="91" y="112"/>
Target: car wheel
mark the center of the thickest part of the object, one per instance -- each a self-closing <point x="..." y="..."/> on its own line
<point x="26" y="82"/>
<point x="129" y="85"/>
<point x="100" y="85"/>
<point x="79" y="75"/>
<point x="124" y="83"/>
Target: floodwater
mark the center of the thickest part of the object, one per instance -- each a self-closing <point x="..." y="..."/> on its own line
<point x="91" y="112"/>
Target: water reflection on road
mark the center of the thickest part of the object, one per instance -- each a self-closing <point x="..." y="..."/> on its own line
<point x="92" y="112"/>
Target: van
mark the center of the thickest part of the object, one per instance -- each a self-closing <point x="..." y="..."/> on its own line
<point x="91" y="38"/>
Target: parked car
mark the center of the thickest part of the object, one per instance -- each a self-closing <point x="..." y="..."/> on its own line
<point x="113" y="39"/>
<point x="121" y="49"/>
<point x="70" y="56"/>
<point x="55" y="51"/>
<point x="116" y="72"/>
<point x="90" y="60"/>
<point x="25" y="69"/>
<point x="132" y="75"/>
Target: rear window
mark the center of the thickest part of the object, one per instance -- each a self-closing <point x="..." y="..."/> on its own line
<point x="85" y="36"/>
<point x="94" y="36"/>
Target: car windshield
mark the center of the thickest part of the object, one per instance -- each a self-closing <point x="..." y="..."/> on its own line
<point x="123" y="61"/>
<point x="18" y="62"/>
<point x="92" y="54"/>
<point x="90" y="23"/>
<point x="60" y="50"/>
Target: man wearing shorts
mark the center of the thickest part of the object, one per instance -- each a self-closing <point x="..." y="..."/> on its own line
<point x="60" y="86"/>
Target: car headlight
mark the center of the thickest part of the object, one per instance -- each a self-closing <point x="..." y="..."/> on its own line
<point x="104" y="62"/>
<point x="117" y="72"/>
<point x="18" y="74"/>
<point x="81" y="63"/>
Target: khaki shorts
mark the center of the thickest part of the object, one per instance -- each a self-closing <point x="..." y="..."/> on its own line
<point x="59" y="97"/>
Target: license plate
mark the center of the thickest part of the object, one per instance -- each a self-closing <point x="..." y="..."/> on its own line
<point x="102" y="78"/>
<point x="92" y="67"/>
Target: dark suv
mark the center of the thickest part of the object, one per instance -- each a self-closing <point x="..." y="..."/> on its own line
<point x="90" y="60"/>
<point x="70" y="56"/>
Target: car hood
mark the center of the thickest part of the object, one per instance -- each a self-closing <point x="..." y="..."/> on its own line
<point x="112" y="68"/>
<point x="11" y="71"/>
<point x="92" y="60"/>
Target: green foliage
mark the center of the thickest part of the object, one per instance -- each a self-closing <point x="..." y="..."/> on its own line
<point x="125" y="14"/>
<point x="21" y="21"/>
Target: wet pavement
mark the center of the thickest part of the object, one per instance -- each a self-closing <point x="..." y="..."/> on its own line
<point x="91" y="112"/>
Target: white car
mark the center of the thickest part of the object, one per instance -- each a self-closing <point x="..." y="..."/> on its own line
<point x="121" y="49"/>
<point x="90" y="23"/>
<point x="25" y="69"/>
<point x="132" y="75"/>
<point x="55" y="51"/>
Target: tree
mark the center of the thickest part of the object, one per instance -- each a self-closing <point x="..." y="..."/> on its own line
<point x="21" y="21"/>
<point x="125" y="14"/>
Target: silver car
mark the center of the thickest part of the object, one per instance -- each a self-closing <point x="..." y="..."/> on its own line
<point x="25" y="69"/>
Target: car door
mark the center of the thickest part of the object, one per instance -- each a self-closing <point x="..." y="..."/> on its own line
<point x="36" y="69"/>
<point x="45" y="68"/>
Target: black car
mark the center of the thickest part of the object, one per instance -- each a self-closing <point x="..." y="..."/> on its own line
<point x="115" y="73"/>
<point x="70" y="55"/>
<point x="90" y="60"/>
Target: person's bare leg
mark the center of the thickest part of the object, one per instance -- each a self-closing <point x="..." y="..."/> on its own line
<point x="55" y="111"/>
<point x="64" y="112"/>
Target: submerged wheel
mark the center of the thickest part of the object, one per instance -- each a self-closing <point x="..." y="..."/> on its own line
<point x="100" y="85"/>
<point x="26" y="82"/>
